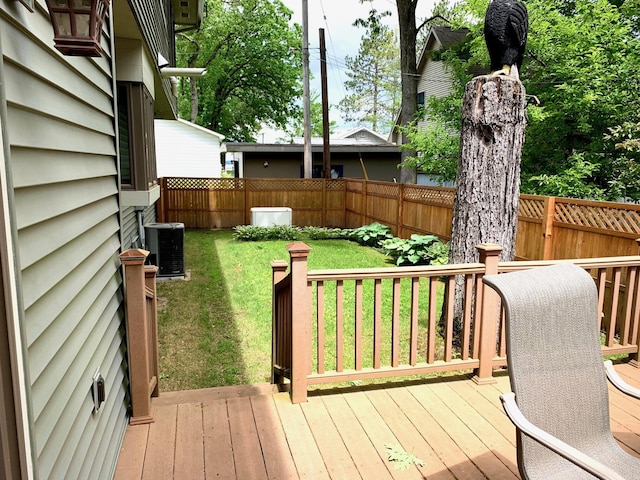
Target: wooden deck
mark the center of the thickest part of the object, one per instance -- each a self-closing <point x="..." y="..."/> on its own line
<point x="457" y="428"/>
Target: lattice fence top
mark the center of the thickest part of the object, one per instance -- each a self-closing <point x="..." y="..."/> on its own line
<point x="431" y="195"/>
<point x="205" y="183"/>
<point x="383" y="189"/>
<point x="294" y="184"/>
<point x="531" y="207"/>
<point x="620" y="219"/>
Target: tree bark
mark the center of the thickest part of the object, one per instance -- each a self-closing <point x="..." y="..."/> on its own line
<point x="409" y="82"/>
<point x="485" y="207"/>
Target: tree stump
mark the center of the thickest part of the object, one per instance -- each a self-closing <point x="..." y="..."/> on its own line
<point x="485" y="207"/>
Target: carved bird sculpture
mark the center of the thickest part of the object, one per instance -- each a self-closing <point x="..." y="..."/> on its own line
<point x="506" y="24"/>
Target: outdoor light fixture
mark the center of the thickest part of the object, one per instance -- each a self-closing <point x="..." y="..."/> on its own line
<point x="77" y="25"/>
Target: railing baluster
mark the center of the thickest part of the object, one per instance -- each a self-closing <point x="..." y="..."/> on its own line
<point x="415" y="310"/>
<point x="468" y="302"/>
<point x="320" y="325"/>
<point x="377" y="321"/>
<point x="433" y="312"/>
<point x="615" y="289"/>
<point x="358" y="326"/>
<point x="395" y="324"/>
<point x="628" y="309"/>
<point x="448" y="332"/>
<point x="477" y="317"/>
<point x="339" y="327"/>
<point x="602" y="290"/>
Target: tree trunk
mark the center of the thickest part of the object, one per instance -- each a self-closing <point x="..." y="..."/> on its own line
<point x="409" y="82"/>
<point x="485" y="207"/>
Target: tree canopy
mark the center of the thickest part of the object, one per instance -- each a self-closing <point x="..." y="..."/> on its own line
<point x="373" y="83"/>
<point x="254" y="68"/>
<point x="581" y="66"/>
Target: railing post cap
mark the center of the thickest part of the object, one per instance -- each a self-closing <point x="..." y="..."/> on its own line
<point x="134" y="256"/>
<point x="151" y="270"/>
<point x="279" y="264"/>
<point x="489" y="248"/>
<point x="298" y="249"/>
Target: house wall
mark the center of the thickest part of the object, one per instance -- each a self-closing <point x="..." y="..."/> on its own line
<point x="434" y="82"/>
<point x="62" y="162"/>
<point x="379" y="166"/>
<point x="185" y="151"/>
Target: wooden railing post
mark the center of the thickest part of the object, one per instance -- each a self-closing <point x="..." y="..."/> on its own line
<point x="300" y="319"/>
<point x="142" y="382"/>
<point x="489" y="255"/>
<point x="547" y="228"/>
<point x="634" y="358"/>
<point x="278" y="272"/>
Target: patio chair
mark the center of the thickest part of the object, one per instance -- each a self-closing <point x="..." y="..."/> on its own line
<point x="559" y="401"/>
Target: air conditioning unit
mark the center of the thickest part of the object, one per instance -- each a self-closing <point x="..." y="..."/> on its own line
<point x="165" y="242"/>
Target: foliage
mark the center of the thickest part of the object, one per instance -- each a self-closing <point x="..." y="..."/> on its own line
<point x="581" y="64"/>
<point x="371" y="235"/>
<point x="295" y="127"/>
<point x="253" y="62"/>
<point x="323" y="233"/>
<point x="572" y="182"/>
<point x="417" y="250"/>
<point x="403" y="459"/>
<point x="254" y="233"/>
<point x="373" y="83"/>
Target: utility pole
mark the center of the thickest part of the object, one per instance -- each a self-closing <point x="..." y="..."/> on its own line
<point x="306" y="100"/>
<point x="325" y="107"/>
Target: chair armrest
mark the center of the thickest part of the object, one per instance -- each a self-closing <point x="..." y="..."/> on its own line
<point x="618" y="382"/>
<point x="553" y="443"/>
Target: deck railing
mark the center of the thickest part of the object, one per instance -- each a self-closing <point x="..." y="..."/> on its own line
<point x="142" y="333"/>
<point x="351" y="325"/>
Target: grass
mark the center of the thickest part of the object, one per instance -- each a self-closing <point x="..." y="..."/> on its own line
<point x="215" y="329"/>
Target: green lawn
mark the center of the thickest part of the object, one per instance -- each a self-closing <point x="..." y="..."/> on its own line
<point x="215" y="329"/>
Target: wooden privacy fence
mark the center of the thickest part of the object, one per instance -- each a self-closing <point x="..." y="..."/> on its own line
<point x="548" y="227"/>
<point x="349" y="325"/>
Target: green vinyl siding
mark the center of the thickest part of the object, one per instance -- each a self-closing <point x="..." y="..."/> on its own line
<point x="60" y="118"/>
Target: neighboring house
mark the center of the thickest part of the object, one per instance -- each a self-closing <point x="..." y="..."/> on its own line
<point x="434" y="79"/>
<point x="77" y="179"/>
<point x="352" y="154"/>
<point x="184" y="149"/>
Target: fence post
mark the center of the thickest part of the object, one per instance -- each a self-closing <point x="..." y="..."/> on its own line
<point x="247" y="208"/>
<point x="278" y="272"/>
<point x="324" y="202"/>
<point x="364" y="202"/>
<point x="138" y="336"/>
<point x="547" y="228"/>
<point x="162" y="202"/>
<point x="400" y="218"/>
<point x="300" y="320"/>
<point x="489" y="255"/>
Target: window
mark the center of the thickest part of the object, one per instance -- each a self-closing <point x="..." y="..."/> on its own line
<point x="420" y="99"/>
<point x="137" y="145"/>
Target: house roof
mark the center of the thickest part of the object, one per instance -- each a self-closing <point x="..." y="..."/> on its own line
<point x="180" y="123"/>
<point x="360" y="139"/>
<point x="440" y="37"/>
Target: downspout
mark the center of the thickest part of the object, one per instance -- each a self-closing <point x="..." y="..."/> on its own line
<point x="140" y="217"/>
<point x="14" y="309"/>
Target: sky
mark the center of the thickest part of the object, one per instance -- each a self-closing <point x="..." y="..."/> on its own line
<point x="342" y="38"/>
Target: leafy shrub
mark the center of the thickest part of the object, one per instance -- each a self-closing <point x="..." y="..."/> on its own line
<point x="254" y="233"/>
<point x="372" y="235"/>
<point x="322" y="233"/>
<point x="417" y="250"/>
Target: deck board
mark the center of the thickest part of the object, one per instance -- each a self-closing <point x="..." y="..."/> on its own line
<point x="456" y="427"/>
